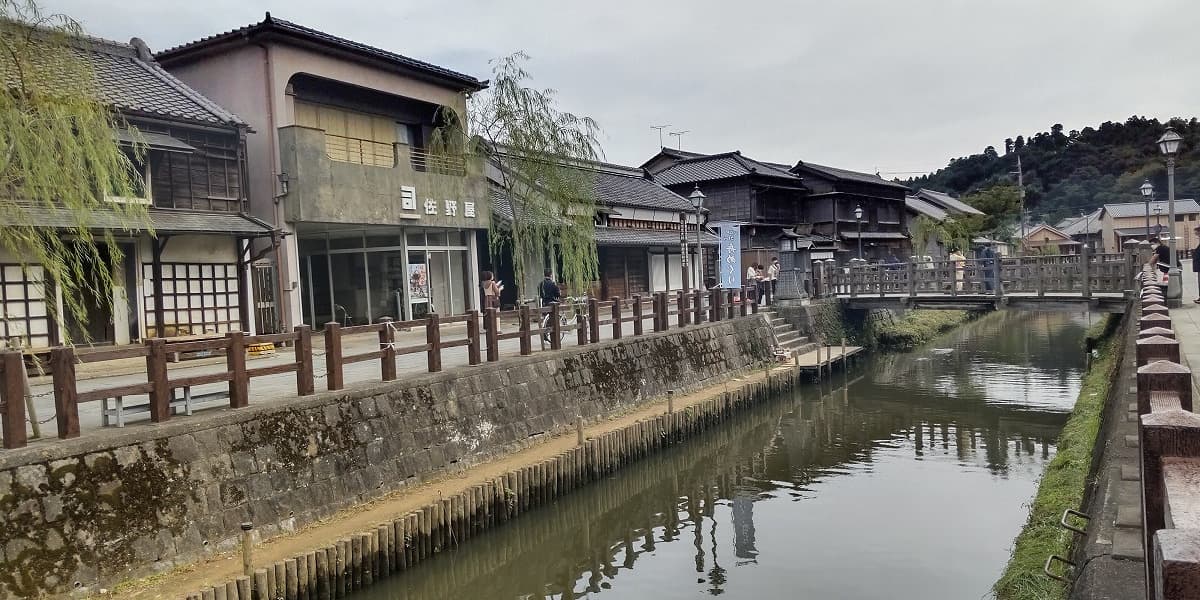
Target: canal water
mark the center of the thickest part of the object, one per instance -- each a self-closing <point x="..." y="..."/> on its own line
<point x="908" y="478"/>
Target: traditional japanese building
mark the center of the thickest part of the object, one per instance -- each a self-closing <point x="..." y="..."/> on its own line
<point x="641" y="229"/>
<point x="193" y="275"/>
<point x="376" y="226"/>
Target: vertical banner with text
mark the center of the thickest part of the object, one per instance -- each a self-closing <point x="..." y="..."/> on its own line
<point x="730" y="254"/>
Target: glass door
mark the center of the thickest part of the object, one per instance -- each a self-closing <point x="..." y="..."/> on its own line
<point x="440" y="287"/>
<point x="418" y="285"/>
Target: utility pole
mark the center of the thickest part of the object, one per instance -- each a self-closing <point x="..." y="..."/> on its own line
<point x="659" y="128"/>
<point x="1020" y="173"/>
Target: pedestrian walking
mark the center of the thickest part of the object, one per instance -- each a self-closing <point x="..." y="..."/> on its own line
<point x="1162" y="255"/>
<point x="491" y="292"/>
<point x="548" y="293"/>
<point x="761" y="283"/>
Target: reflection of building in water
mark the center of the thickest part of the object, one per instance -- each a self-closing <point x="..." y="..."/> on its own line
<point x="743" y="526"/>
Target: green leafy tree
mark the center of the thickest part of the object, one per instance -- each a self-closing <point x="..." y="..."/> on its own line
<point x="58" y="155"/>
<point x="535" y="146"/>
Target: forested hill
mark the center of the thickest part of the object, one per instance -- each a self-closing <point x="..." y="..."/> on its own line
<point x="1069" y="172"/>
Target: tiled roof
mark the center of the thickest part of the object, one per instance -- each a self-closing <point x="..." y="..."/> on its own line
<point x="1087" y="225"/>
<point x="928" y="209"/>
<point x="617" y="236"/>
<point x="952" y="204"/>
<point x="135" y="84"/>
<point x="615" y="188"/>
<point x="1138" y="209"/>
<point x="275" y="25"/>
<point x="164" y="221"/>
<point x="848" y="175"/>
<point x="720" y="166"/>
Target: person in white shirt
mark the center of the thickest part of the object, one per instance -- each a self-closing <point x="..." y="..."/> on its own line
<point x="752" y="280"/>
<point x="773" y="274"/>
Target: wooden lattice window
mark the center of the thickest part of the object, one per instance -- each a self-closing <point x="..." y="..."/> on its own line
<point x="24" y="318"/>
<point x="198" y="298"/>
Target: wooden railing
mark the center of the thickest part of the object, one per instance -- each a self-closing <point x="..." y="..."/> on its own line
<point x="1169" y="445"/>
<point x="661" y="310"/>
<point x="1084" y="274"/>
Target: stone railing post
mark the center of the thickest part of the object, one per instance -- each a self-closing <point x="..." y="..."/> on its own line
<point x="1163" y="376"/>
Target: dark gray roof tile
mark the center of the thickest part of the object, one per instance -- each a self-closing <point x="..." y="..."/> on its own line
<point x="164" y="221"/>
<point x="1138" y="209"/>
<point x="616" y="236"/>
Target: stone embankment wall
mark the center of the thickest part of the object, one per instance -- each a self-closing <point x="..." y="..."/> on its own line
<point x="121" y="503"/>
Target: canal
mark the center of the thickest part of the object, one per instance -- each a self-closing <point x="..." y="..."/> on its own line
<point x="906" y="478"/>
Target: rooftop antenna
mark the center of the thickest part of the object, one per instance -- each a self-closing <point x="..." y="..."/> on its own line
<point x="678" y="135"/>
<point x="659" y="128"/>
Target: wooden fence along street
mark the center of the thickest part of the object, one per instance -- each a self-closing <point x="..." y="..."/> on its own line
<point x="662" y="309"/>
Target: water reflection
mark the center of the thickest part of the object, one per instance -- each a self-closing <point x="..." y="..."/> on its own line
<point x="906" y="480"/>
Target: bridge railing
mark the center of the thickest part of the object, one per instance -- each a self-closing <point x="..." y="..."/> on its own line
<point x="1169" y="449"/>
<point x="1084" y="274"/>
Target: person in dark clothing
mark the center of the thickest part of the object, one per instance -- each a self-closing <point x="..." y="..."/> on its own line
<point x="1163" y="256"/>
<point x="1196" y="264"/>
<point x="548" y="290"/>
<point x="987" y="258"/>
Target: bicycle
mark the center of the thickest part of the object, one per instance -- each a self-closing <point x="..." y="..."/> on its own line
<point x="578" y="314"/>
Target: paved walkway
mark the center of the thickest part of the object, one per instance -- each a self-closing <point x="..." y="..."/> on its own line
<point x="1186" y="322"/>
<point x="111" y="374"/>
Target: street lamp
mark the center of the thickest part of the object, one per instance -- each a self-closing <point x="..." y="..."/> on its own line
<point x="1147" y="190"/>
<point x="1169" y="144"/>
<point x="858" y="215"/>
<point x="1157" y="221"/>
<point x="697" y="198"/>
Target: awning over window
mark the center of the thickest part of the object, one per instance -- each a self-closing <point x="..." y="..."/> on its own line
<point x="156" y="141"/>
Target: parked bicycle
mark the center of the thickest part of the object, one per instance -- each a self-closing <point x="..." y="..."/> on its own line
<point x="576" y="312"/>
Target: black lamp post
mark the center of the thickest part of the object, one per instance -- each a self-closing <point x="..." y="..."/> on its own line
<point x="1169" y="145"/>
<point x="1157" y="221"/>
<point x="697" y="198"/>
<point x="1147" y="190"/>
<point x="858" y="215"/>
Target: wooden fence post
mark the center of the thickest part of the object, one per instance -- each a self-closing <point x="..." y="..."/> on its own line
<point x="754" y="304"/>
<point x="156" y="376"/>
<point x="333" y="356"/>
<point x="12" y="399"/>
<point x="714" y="305"/>
<point x="235" y="361"/>
<point x="581" y="327"/>
<point x="637" y="314"/>
<point x="555" y="327"/>
<point x="911" y="269"/>
<point x="526" y="318"/>
<point x="744" y="308"/>
<point x="681" y="307"/>
<point x="433" y="337"/>
<point x="997" y="280"/>
<point x="304" y="363"/>
<point x="616" y="318"/>
<point x="66" y="403"/>
<point x="473" y="337"/>
<point x="387" y="347"/>
<point x="492" y="315"/>
<point x="730" y="306"/>
<point x="698" y="298"/>
<point x="594" y="319"/>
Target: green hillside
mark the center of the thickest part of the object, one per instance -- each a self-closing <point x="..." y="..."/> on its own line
<point x="1069" y="172"/>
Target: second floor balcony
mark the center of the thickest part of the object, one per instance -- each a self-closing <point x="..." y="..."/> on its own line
<point x="342" y="179"/>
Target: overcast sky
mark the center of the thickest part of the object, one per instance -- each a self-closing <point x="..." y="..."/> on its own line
<point x="872" y="85"/>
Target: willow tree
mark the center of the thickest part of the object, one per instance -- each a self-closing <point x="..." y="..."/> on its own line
<point x="533" y="151"/>
<point x="59" y="158"/>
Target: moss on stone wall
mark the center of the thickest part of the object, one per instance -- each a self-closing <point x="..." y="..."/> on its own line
<point x="883" y="330"/>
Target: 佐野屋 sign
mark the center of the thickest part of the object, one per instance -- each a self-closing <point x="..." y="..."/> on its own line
<point x="730" y="255"/>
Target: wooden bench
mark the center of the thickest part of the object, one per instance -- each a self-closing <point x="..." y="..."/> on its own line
<point x="188" y="402"/>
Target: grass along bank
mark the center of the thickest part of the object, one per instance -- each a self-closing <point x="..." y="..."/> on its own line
<point x="1064" y="482"/>
<point x="884" y="330"/>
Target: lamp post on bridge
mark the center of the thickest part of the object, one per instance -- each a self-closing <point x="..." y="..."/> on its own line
<point x="1147" y="190"/>
<point x="1169" y="145"/>
<point x="1157" y="221"/>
